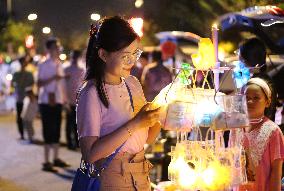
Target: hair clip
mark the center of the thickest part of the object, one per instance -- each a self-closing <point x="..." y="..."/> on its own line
<point x="93" y="30"/>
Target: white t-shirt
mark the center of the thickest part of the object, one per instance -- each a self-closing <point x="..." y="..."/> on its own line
<point x="94" y="119"/>
<point x="47" y="70"/>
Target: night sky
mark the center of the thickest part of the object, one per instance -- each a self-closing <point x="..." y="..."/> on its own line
<point x="66" y="16"/>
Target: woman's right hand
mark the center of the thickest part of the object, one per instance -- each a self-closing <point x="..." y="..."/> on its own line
<point x="145" y="117"/>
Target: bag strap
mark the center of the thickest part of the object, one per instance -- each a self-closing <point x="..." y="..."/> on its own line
<point x="130" y="96"/>
<point x="110" y="157"/>
<point x="91" y="168"/>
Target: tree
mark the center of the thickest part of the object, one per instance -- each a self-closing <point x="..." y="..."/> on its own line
<point x="195" y="16"/>
<point x="15" y="33"/>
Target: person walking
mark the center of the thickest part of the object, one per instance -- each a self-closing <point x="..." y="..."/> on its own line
<point x="21" y="80"/>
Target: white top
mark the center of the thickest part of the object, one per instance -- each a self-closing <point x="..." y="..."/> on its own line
<point x="94" y="119"/>
<point x="46" y="70"/>
<point x="30" y="109"/>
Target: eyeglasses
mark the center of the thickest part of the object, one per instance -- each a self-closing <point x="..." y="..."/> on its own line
<point x="130" y="58"/>
<point x="237" y="52"/>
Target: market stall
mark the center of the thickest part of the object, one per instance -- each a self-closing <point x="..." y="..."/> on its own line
<point x="201" y="161"/>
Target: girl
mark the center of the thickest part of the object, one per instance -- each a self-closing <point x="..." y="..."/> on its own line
<point x="263" y="141"/>
<point x="112" y="109"/>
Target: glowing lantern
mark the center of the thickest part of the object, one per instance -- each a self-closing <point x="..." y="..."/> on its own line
<point x="29" y="41"/>
<point x="205" y="58"/>
<point x="187" y="176"/>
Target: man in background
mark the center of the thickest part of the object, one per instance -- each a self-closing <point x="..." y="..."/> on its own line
<point x="51" y="98"/>
<point x="74" y="77"/>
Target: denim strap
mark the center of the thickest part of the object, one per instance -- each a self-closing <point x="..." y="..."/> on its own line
<point x="130" y="96"/>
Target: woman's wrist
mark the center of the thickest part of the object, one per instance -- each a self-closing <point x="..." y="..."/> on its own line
<point x="131" y="127"/>
<point x="129" y="131"/>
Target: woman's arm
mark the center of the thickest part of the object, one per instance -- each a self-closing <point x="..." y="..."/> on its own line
<point x="153" y="132"/>
<point x="94" y="148"/>
<point x="47" y="81"/>
<point x="276" y="174"/>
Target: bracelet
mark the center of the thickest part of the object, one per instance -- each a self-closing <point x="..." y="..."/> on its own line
<point x="129" y="132"/>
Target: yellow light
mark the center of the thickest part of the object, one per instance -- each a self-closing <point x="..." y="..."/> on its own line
<point x="137" y="25"/>
<point x="205" y="58"/>
<point x="9" y="77"/>
<point x="138" y="3"/>
<point x="95" y="17"/>
<point x="29" y="41"/>
<point x="214" y="26"/>
<point x="208" y="176"/>
<point x="216" y="176"/>
<point x="46" y="30"/>
<point x="62" y="57"/>
<point x="187" y="177"/>
<point x="32" y="17"/>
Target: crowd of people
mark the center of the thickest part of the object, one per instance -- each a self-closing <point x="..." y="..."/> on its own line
<point x="106" y="106"/>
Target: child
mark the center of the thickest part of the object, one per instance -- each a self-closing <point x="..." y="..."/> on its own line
<point x="30" y="109"/>
<point x="263" y="141"/>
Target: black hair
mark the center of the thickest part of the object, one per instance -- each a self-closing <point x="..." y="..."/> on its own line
<point x="75" y="54"/>
<point x="156" y="56"/>
<point x="144" y="55"/>
<point x="50" y="42"/>
<point x="253" y="52"/>
<point x="111" y="34"/>
<point x="22" y="60"/>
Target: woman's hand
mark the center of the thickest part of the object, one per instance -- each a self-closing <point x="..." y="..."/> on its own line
<point x="145" y="118"/>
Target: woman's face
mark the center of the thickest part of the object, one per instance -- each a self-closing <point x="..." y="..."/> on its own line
<point x="119" y="63"/>
<point x="256" y="101"/>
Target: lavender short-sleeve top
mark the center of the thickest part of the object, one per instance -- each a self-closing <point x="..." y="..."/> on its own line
<point x="94" y="119"/>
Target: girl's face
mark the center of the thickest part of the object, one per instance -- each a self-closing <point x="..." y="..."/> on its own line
<point x="119" y="63"/>
<point x="256" y="101"/>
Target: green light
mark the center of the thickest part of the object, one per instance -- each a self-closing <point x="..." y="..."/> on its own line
<point x="8" y="59"/>
<point x="184" y="74"/>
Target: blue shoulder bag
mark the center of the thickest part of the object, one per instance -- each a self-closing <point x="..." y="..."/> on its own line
<point x="87" y="176"/>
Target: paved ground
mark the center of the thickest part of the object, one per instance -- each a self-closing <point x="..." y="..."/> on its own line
<point x="20" y="162"/>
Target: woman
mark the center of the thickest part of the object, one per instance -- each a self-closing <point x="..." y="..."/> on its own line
<point x="263" y="141"/>
<point x="112" y="109"/>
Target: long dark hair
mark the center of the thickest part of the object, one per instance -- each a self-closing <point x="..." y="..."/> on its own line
<point x="111" y="34"/>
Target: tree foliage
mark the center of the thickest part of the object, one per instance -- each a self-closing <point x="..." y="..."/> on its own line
<point x="15" y="33"/>
<point x="195" y="16"/>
